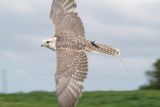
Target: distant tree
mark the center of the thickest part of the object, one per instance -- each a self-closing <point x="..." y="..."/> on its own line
<point x="154" y="82"/>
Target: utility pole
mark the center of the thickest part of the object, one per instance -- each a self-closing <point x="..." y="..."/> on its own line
<point x="4" y="81"/>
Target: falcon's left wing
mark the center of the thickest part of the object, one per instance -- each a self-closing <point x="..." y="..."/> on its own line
<point x="72" y="67"/>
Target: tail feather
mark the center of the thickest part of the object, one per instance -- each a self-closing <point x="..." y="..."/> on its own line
<point x="102" y="49"/>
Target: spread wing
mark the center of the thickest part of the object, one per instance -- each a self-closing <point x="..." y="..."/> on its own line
<point x="65" y="19"/>
<point x="72" y="67"/>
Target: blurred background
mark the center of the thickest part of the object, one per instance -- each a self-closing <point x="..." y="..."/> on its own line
<point x="131" y="25"/>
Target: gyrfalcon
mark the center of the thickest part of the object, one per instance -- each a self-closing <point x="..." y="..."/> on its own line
<point x="70" y="45"/>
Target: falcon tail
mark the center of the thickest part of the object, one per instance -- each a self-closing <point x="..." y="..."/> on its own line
<point x="102" y="49"/>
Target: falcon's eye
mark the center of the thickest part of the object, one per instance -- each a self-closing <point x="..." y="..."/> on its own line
<point x="47" y="41"/>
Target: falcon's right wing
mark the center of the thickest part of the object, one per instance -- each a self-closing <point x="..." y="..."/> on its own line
<point x="65" y="19"/>
<point x="61" y="7"/>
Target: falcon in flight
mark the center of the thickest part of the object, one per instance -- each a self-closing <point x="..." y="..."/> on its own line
<point x="70" y="45"/>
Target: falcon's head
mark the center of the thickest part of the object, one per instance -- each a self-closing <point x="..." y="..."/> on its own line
<point x="50" y="43"/>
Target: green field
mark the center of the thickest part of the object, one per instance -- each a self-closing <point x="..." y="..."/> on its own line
<point x="150" y="98"/>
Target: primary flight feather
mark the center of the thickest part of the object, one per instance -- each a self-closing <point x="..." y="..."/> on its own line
<point x="70" y="45"/>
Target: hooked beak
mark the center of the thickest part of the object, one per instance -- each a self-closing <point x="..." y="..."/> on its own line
<point x="42" y="45"/>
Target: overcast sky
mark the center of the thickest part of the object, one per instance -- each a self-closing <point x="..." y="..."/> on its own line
<point x="131" y="25"/>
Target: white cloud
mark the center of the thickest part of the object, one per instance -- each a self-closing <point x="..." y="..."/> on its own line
<point x="24" y="7"/>
<point x="133" y="10"/>
<point x="17" y="6"/>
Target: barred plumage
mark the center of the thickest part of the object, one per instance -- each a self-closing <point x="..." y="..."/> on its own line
<point x="70" y="45"/>
<point x="102" y="49"/>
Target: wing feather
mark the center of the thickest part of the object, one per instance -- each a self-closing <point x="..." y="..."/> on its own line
<point x="65" y="19"/>
<point x="72" y="67"/>
<point x="61" y="7"/>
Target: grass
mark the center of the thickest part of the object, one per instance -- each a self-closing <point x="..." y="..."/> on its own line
<point x="143" y="98"/>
